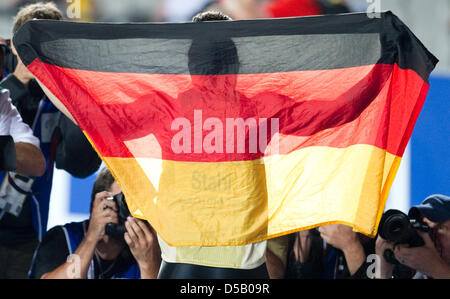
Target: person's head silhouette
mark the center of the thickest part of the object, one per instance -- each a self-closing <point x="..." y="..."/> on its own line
<point x="213" y="55"/>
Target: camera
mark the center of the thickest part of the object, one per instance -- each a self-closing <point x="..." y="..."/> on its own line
<point x="8" y="160"/>
<point x="8" y="60"/>
<point x="114" y="230"/>
<point x="398" y="228"/>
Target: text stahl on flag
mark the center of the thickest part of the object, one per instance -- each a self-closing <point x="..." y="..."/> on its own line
<point x="231" y="132"/>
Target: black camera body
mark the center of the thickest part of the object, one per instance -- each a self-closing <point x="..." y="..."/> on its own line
<point x="8" y="159"/>
<point x="114" y="230"/>
<point x="8" y="60"/>
<point x="398" y="228"/>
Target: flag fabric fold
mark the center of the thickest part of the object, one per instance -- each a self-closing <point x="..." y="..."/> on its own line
<point x="228" y="133"/>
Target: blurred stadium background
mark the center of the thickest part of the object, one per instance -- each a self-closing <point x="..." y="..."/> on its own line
<point x="425" y="166"/>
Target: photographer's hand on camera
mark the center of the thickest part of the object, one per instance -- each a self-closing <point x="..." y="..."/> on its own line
<point x="425" y="259"/>
<point x="103" y="212"/>
<point x="386" y="268"/>
<point x="143" y="244"/>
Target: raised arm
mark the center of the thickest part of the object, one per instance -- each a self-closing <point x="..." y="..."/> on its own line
<point x="344" y="238"/>
<point x="305" y="118"/>
<point x="30" y="160"/>
<point x="56" y="102"/>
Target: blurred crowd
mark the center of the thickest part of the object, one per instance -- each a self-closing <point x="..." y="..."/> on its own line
<point x="180" y="10"/>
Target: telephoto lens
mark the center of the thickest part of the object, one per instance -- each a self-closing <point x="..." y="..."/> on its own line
<point x="396" y="227"/>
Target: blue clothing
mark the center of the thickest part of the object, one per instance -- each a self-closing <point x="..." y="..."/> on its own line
<point x="44" y="124"/>
<point x="63" y="145"/>
<point x="60" y="242"/>
<point x="330" y="264"/>
<point x="75" y="232"/>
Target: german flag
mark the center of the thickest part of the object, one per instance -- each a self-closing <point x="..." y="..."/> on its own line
<point x="231" y="132"/>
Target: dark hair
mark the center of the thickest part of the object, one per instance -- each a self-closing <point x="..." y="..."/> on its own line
<point x="103" y="183"/>
<point x="210" y="16"/>
<point x="213" y="55"/>
<point x="39" y="10"/>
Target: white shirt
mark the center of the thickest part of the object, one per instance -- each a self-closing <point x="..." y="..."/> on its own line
<point x="239" y="257"/>
<point x="11" y="122"/>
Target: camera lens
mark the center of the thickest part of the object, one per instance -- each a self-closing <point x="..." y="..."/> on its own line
<point x="117" y="230"/>
<point x="396" y="226"/>
<point x="393" y="226"/>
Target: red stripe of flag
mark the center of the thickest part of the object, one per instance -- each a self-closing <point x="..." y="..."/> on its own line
<point x="322" y="114"/>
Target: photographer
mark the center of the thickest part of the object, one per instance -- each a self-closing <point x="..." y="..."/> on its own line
<point x="85" y="250"/>
<point x="30" y="160"/>
<point x="61" y="142"/>
<point x="432" y="260"/>
<point x="331" y="251"/>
